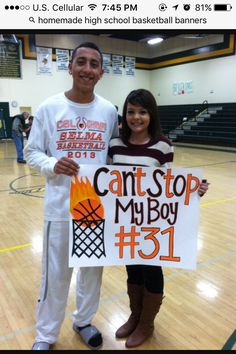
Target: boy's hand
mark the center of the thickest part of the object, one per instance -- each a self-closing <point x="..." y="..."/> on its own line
<point x="66" y="167"/>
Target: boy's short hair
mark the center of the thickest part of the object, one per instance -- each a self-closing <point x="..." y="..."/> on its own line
<point x="90" y="45"/>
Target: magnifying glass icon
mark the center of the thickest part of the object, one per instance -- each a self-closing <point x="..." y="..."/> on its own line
<point x="31" y="19"/>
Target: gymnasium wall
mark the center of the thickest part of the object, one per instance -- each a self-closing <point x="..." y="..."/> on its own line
<point x="213" y="77"/>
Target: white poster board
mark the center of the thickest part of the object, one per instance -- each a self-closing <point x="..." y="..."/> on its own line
<point x="134" y="215"/>
<point x="62" y="59"/>
<point x="44" y="60"/>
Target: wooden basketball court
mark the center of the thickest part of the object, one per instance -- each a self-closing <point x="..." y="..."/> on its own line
<point x="199" y="308"/>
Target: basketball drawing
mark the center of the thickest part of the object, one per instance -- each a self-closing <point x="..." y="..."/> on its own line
<point x="85" y="203"/>
<point x="88" y="209"/>
<point x="87" y="220"/>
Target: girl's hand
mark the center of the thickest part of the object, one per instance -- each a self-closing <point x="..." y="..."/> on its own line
<point x="203" y="187"/>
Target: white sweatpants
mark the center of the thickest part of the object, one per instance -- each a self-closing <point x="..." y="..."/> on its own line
<point x="55" y="283"/>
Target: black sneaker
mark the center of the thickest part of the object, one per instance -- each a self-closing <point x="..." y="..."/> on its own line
<point x="21" y="161"/>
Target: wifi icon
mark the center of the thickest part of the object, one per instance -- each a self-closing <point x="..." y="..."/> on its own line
<point x="92" y="6"/>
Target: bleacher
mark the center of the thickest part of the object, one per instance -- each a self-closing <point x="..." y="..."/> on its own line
<point x="214" y="125"/>
<point x="172" y="116"/>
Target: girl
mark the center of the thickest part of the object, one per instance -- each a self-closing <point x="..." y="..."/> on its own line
<point x="141" y="143"/>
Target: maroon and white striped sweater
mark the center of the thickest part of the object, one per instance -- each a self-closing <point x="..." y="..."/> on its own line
<point x="158" y="153"/>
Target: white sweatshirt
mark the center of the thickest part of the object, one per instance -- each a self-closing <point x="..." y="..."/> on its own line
<point x="64" y="128"/>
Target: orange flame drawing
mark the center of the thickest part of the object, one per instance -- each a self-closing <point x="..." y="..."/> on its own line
<point x="84" y="202"/>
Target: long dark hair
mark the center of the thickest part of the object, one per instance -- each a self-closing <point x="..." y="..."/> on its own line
<point x="144" y="98"/>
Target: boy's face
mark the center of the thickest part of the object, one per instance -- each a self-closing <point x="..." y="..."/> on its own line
<point x="86" y="69"/>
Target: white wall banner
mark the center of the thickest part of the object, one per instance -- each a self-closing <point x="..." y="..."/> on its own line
<point x="181" y="88"/>
<point x="188" y="87"/>
<point x="106" y="63"/>
<point x="117" y="64"/>
<point x="62" y="59"/>
<point x="175" y="89"/>
<point x="134" y="215"/>
<point x="130" y="66"/>
<point x="44" y="60"/>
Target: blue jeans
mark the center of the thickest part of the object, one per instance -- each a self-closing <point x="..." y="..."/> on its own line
<point x="19" y="142"/>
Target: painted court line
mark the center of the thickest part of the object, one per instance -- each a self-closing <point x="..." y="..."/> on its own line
<point x="228" y="345"/>
<point x="15" y="247"/>
<point x="230" y="342"/>
<point x="201" y="205"/>
<point x="219" y="201"/>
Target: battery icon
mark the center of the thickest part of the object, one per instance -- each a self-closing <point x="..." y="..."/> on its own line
<point x="222" y="7"/>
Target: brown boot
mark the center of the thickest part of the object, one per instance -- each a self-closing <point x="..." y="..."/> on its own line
<point x="145" y="327"/>
<point x="135" y="293"/>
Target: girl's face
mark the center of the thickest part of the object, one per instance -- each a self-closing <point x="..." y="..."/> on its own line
<point x="137" y="118"/>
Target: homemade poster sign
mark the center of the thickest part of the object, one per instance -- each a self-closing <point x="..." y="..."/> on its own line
<point x="134" y="215"/>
